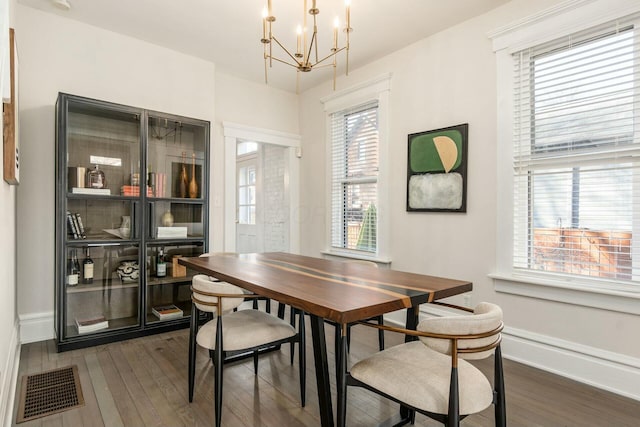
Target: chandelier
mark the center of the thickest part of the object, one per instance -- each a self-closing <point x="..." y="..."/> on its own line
<point x="305" y="58"/>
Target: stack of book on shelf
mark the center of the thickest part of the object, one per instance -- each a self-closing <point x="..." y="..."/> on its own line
<point x="91" y="324"/>
<point x="75" y="228"/>
<point x="99" y="191"/>
<point x="171" y="232"/>
<point x="134" y="190"/>
<point x="159" y="183"/>
<point x="166" y="312"/>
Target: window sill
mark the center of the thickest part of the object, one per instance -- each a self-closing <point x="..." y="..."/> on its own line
<point x="570" y="292"/>
<point x="355" y="255"/>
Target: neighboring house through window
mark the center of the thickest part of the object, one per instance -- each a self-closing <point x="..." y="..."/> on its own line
<point x="357" y="173"/>
<point x="569" y="156"/>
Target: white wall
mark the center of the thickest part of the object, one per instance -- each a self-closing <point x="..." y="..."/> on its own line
<point x="62" y="55"/>
<point x="9" y="331"/>
<point x="445" y="80"/>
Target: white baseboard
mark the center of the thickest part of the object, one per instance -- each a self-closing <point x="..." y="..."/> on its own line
<point x="7" y="392"/>
<point x="36" y="327"/>
<point x="614" y="372"/>
<point x="603" y="369"/>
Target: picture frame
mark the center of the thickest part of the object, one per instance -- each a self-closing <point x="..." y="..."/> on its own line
<point x="437" y="170"/>
<point x="11" y="137"/>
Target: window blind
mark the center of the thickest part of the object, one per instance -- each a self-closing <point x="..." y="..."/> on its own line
<point x="576" y="151"/>
<point x="354" y="182"/>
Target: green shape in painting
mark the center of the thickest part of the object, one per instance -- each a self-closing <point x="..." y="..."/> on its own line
<point x="423" y="156"/>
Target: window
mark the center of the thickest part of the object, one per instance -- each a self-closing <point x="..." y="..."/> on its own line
<point x="354" y="183"/>
<point x="247" y="194"/>
<point x="575" y="154"/>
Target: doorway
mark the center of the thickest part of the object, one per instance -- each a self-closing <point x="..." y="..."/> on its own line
<point x="262" y="202"/>
<point x="261" y="191"/>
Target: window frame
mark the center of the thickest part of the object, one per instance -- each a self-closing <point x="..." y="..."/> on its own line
<point x="564" y="19"/>
<point x="370" y="91"/>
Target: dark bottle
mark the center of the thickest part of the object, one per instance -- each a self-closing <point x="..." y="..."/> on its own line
<point x="87" y="269"/>
<point x="73" y="269"/>
<point x="161" y="265"/>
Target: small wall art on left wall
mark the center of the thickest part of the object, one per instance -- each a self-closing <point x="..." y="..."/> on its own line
<point x="10" y="118"/>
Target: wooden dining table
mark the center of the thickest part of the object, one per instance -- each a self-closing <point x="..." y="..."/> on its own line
<point x="341" y="292"/>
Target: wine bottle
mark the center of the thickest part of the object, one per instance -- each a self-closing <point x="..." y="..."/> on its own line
<point x="161" y="265"/>
<point x="73" y="269"/>
<point x="87" y="269"/>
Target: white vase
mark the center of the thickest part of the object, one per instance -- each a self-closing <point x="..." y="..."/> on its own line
<point x="167" y="219"/>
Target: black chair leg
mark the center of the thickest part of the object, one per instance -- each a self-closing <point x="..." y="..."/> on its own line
<point x="337" y="345"/>
<point x="453" y="417"/>
<point x="281" y="307"/>
<point x="218" y="373"/>
<point x="500" y="404"/>
<point x="192" y="350"/>
<point x="255" y="362"/>
<point x="292" y="321"/>
<point x="380" y="320"/>
<point x="302" y="359"/>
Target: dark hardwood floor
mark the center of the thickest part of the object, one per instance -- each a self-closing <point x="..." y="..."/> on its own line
<point x="143" y="382"/>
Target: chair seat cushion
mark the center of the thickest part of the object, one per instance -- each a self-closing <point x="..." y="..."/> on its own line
<point x="419" y="376"/>
<point x="245" y="329"/>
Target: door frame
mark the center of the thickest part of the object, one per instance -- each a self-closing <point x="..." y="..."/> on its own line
<point x="232" y="133"/>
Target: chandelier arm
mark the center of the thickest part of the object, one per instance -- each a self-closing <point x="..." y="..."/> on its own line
<point x="323" y="66"/>
<point x="284" y="62"/>
<point x="329" y="56"/>
<point x="313" y="40"/>
<point x="287" y="52"/>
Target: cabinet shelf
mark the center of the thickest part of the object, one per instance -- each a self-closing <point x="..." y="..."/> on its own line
<point x="104" y="285"/>
<point x="111" y="237"/>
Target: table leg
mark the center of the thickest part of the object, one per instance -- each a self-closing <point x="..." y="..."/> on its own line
<point x="412" y="322"/>
<point x="341" y="379"/>
<point x="322" y="371"/>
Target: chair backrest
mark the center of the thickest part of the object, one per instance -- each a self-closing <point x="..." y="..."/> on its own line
<point x="202" y="287"/>
<point x="486" y="317"/>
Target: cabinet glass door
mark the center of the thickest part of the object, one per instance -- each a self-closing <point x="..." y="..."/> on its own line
<point x="168" y="282"/>
<point x="175" y="158"/>
<point x="103" y="150"/>
<point x="101" y="288"/>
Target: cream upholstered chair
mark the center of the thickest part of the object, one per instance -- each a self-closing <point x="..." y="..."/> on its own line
<point x="431" y="376"/>
<point x="233" y="332"/>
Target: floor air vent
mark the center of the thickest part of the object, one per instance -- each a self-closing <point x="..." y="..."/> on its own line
<point x="49" y="392"/>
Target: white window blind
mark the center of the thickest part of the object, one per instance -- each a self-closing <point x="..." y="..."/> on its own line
<point x="354" y="183"/>
<point x="576" y="154"/>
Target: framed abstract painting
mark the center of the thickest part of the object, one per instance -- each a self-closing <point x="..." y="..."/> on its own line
<point x="437" y="170"/>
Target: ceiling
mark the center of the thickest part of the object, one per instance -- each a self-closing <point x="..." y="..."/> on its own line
<point x="228" y="32"/>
